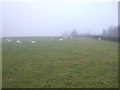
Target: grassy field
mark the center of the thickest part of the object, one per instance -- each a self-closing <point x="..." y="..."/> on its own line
<point x="50" y="63"/>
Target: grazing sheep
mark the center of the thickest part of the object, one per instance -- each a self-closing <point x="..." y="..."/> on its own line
<point x="8" y="40"/>
<point x="99" y="38"/>
<point x="60" y="39"/>
<point x="33" y="41"/>
<point x="18" y="41"/>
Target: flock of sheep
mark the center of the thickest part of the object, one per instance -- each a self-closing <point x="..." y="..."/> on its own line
<point x="18" y="41"/>
<point x="60" y="39"/>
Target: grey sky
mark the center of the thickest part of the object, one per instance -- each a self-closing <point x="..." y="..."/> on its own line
<point x="54" y="18"/>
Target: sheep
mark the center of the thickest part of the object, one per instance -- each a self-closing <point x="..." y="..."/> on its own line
<point x="8" y="40"/>
<point x="18" y="41"/>
<point x="99" y="38"/>
<point x="60" y="39"/>
<point x="33" y="41"/>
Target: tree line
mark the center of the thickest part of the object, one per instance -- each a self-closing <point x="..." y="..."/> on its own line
<point x="112" y="32"/>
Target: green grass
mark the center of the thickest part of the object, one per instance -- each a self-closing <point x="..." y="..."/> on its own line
<point x="50" y="63"/>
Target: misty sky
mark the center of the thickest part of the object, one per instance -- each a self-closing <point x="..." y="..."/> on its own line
<point x="55" y="18"/>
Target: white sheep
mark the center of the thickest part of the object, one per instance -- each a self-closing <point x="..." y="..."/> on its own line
<point x="33" y="41"/>
<point x="8" y="40"/>
<point x="18" y="41"/>
<point x="60" y="39"/>
<point x="99" y="38"/>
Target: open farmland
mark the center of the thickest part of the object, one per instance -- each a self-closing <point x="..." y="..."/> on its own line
<point x="50" y="63"/>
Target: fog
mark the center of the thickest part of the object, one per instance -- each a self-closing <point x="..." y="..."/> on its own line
<point x="55" y="18"/>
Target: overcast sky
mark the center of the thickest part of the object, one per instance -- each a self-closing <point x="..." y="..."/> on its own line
<point x="55" y="18"/>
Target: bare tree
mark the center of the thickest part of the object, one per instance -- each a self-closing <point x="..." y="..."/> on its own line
<point x="112" y="31"/>
<point x="104" y="32"/>
<point x="74" y="33"/>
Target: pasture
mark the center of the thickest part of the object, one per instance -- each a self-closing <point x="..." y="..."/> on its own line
<point x="50" y="63"/>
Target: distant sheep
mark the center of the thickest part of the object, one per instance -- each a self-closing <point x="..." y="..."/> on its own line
<point x="99" y="38"/>
<point x="18" y="41"/>
<point x="33" y="41"/>
<point x="60" y="39"/>
<point x="8" y="40"/>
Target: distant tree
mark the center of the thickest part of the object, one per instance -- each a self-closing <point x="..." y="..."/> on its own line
<point x="74" y="33"/>
<point x="87" y="33"/>
<point x="104" y="32"/>
<point x="112" y="31"/>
